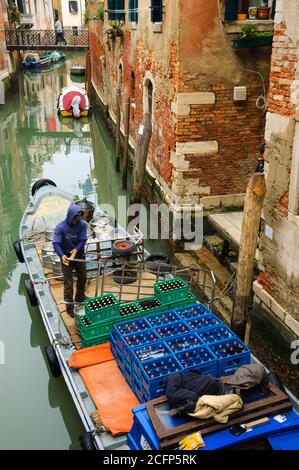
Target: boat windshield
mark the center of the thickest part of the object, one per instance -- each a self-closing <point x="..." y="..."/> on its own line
<point x="49" y="210"/>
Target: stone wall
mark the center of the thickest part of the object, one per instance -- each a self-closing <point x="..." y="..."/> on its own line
<point x="279" y="280"/>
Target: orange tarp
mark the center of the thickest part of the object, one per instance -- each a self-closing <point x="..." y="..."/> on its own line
<point x="111" y="395"/>
<point x="90" y="356"/>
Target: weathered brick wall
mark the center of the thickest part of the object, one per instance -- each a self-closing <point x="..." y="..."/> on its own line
<point x="283" y="72"/>
<point x="3" y="60"/>
<point x="280" y="274"/>
<point x="238" y="129"/>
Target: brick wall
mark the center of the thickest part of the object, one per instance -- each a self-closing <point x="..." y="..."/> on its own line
<point x="283" y="72"/>
<point x="238" y="129"/>
<point x="3" y="60"/>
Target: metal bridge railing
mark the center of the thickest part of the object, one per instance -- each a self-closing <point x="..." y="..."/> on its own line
<point x="24" y="39"/>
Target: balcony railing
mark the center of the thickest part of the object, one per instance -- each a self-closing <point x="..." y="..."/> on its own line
<point x="34" y="40"/>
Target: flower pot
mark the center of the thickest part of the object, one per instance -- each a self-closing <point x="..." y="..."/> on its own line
<point x="261" y="41"/>
<point x="263" y="13"/>
<point x="252" y="12"/>
<point x="241" y="16"/>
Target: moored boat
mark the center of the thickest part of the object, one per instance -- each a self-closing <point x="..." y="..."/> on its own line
<point x="108" y="243"/>
<point x="74" y="102"/>
<point x="36" y="61"/>
<point x="56" y="56"/>
<point x="77" y="69"/>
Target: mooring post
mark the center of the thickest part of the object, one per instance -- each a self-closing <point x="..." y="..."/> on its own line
<point x="117" y="132"/>
<point x="254" y="199"/>
<point x="143" y="141"/>
<point x="126" y="144"/>
<point x="88" y="74"/>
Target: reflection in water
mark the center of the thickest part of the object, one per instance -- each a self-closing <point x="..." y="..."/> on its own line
<point x="79" y="157"/>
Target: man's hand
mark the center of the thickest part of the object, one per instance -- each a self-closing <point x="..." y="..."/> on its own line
<point x="65" y="260"/>
<point x="73" y="253"/>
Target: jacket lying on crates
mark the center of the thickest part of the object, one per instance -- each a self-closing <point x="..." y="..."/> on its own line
<point x="217" y="407"/>
<point x="183" y="390"/>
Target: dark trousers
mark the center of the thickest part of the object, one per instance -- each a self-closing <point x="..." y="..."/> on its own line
<point x="68" y="277"/>
<point x="60" y="38"/>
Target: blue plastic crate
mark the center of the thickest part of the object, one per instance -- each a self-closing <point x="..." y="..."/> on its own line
<point x="162" y="319"/>
<point x="147" y="352"/>
<point x="216" y="334"/>
<point x="187" y="313"/>
<point x="173" y="329"/>
<point x="137" y="388"/>
<point x="129" y="327"/>
<point x="201" y="359"/>
<point x="128" y="375"/>
<point x="187" y="341"/>
<point x="138" y="339"/>
<point x="144" y="433"/>
<point x="204" y="321"/>
<point x="154" y="372"/>
<point x="231" y="355"/>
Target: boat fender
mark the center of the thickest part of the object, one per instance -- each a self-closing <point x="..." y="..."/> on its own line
<point x="86" y="441"/>
<point x="40" y="183"/>
<point x="126" y="277"/>
<point x="18" y="251"/>
<point x="123" y="247"/>
<point x="30" y="292"/>
<point x="53" y="361"/>
<point x="158" y="257"/>
<point x="158" y="263"/>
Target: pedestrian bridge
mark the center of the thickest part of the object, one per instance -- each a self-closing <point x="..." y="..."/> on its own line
<point x="46" y="40"/>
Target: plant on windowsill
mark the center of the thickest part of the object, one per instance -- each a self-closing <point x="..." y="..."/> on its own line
<point x="250" y="37"/>
<point x="263" y="11"/>
<point x="116" y="29"/>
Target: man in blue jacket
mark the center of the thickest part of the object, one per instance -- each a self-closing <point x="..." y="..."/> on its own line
<point x="69" y="239"/>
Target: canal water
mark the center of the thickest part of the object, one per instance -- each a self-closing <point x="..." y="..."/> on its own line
<point x="36" y="411"/>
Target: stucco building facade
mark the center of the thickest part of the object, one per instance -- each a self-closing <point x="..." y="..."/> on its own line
<point x="176" y="58"/>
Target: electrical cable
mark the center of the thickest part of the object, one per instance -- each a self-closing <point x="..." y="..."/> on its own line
<point x="261" y="102"/>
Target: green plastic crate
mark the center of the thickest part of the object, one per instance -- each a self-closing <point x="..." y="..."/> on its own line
<point x="100" y="339"/>
<point x="104" y="313"/>
<point x="190" y="300"/>
<point x="173" y="295"/>
<point x="150" y="311"/>
<point x="136" y="311"/>
<point x="95" y="329"/>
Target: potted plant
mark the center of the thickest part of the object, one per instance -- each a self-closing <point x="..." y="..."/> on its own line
<point x="116" y="29"/>
<point x="251" y="37"/>
<point x="263" y="11"/>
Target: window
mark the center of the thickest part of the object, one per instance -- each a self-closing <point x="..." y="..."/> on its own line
<point x="132" y="86"/>
<point x="233" y="7"/>
<point x="116" y="10"/>
<point x="75" y="30"/>
<point x="149" y="92"/>
<point x="73" y="7"/>
<point x="157" y="11"/>
<point x="133" y="11"/>
<point x="120" y="76"/>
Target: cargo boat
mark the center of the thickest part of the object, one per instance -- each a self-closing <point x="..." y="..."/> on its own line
<point x="48" y="205"/>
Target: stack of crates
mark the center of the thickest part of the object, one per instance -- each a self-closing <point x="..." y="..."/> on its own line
<point x="191" y="338"/>
<point x="101" y="313"/>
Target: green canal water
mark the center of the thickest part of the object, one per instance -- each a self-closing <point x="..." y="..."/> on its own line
<point x="36" y="410"/>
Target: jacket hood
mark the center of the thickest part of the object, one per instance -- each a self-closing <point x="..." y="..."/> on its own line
<point x="73" y="210"/>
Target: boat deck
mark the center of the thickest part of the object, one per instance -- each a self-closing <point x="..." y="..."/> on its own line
<point x="141" y="288"/>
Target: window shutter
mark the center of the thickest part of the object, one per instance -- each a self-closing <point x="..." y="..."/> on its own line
<point x="157" y="11"/>
<point x="119" y="5"/>
<point x="133" y="15"/>
<point x="231" y="10"/>
<point x="111" y="13"/>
